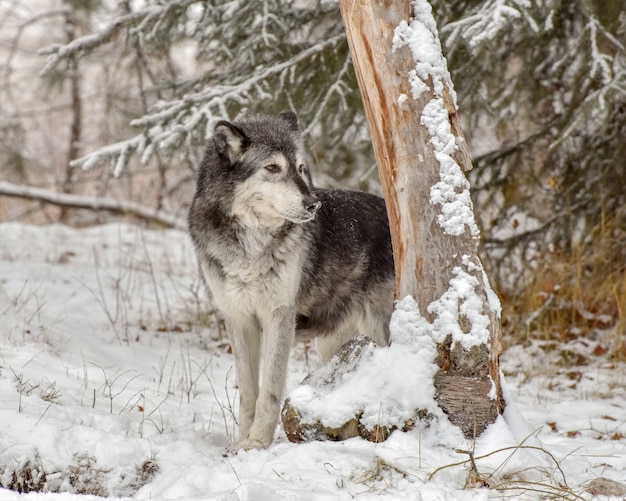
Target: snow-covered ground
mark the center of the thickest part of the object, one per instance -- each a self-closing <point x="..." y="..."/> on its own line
<point x="116" y="380"/>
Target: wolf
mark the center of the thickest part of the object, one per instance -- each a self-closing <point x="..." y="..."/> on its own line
<point x="282" y="258"/>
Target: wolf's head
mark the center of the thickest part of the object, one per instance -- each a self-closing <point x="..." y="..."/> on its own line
<point x="265" y="155"/>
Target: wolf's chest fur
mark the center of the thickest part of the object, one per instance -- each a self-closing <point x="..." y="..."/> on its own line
<point x="256" y="265"/>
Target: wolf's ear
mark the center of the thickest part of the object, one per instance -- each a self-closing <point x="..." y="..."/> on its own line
<point x="230" y="141"/>
<point x="291" y="118"/>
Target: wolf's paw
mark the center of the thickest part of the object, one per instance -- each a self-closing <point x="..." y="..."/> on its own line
<point x="246" y="445"/>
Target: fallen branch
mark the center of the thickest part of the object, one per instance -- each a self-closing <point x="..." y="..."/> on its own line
<point x="123" y="207"/>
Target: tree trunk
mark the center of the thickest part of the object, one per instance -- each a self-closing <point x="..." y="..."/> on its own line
<point x="428" y="255"/>
<point x="73" y="149"/>
<point x="446" y="327"/>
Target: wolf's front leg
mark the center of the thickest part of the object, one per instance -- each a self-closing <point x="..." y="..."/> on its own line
<point x="245" y="339"/>
<point x="278" y="335"/>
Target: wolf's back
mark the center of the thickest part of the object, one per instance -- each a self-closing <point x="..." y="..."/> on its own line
<point x="350" y="262"/>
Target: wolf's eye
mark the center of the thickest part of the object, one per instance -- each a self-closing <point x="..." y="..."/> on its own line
<point x="301" y="169"/>
<point x="273" y="168"/>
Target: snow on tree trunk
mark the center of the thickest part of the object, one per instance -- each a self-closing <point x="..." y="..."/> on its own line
<point x="447" y="310"/>
<point x="411" y="108"/>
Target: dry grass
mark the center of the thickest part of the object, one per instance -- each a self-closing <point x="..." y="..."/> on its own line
<point x="83" y="476"/>
<point x="576" y="294"/>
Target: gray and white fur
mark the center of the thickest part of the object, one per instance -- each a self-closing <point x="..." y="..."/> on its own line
<point x="281" y="258"/>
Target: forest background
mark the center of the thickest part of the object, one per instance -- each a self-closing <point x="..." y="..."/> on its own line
<point x="115" y="100"/>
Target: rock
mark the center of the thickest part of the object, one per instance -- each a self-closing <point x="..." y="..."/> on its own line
<point x="329" y="376"/>
<point x="605" y="487"/>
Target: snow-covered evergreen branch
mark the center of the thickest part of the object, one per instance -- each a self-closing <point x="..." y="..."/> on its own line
<point x="178" y="121"/>
<point x="58" y="52"/>
<point x="489" y="20"/>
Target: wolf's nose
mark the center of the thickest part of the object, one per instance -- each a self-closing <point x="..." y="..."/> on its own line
<point x="314" y="207"/>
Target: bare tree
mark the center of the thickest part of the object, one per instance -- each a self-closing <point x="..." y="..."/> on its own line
<point x="410" y="106"/>
<point x="73" y="149"/>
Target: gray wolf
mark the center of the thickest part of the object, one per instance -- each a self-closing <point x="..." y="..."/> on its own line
<point x="281" y="257"/>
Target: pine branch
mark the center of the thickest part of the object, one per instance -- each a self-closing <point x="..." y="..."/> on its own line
<point x="58" y="52"/>
<point x="488" y="21"/>
<point x="123" y="207"/>
<point x="215" y="94"/>
<point x="176" y="120"/>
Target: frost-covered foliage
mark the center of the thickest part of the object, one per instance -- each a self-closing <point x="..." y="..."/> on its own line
<point x="248" y="57"/>
<point x="542" y="85"/>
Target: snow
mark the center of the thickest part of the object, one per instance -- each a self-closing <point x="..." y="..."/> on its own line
<point x="461" y="299"/>
<point x="368" y="389"/>
<point x="421" y="35"/>
<point x="452" y="191"/>
<point x="110" y="358"/>
<point x="375" y="388"/>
